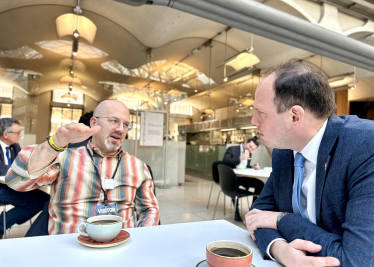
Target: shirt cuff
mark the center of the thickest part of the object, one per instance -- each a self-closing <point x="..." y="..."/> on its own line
<point x="271" y="243"/>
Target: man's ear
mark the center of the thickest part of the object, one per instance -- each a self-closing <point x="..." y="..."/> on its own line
<point x="6" y="135"/>
<point x="297" y="113"/>
<point x="93" y="122"/>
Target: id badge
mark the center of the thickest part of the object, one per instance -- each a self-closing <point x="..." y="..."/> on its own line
<point x="106" y="210"/>
<point x="109" y="184"/>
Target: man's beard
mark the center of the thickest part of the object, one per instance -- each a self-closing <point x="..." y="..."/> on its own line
<point x="110" y="146"/>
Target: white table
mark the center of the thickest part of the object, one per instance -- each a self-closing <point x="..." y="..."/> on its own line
<point x="164" y="245"/>
<point x="252" y="173"/>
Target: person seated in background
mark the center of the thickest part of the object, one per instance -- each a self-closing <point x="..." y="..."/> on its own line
<point x="236" y="155"/>
<point x="26" y="205"/>
<point x="85" y="119"/>
<point x="98" y="174"/>
<point x="316" y="208"/>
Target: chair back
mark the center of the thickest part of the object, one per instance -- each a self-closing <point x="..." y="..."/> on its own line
<point x="227" y="180"/>
<point x="215" y="173"/>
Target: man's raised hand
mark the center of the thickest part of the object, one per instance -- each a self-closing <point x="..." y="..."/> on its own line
<point x="74" y="133"/>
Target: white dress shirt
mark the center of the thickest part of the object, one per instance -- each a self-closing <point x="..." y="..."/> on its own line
<point x="243" y="162"/>
<point x="3" y="147"/>
<point x="308" y="188"/>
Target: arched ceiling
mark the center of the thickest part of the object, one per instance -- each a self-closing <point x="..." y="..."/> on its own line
<point x="125" y="33"/>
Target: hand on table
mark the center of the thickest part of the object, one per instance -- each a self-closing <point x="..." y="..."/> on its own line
<point x="256" y="219"/>
<point x="256" y="166"/>
<point x="294" y="254"/>
<point x="74" y="133"/>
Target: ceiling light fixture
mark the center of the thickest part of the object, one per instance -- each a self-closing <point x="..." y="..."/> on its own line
<point x="68" y="24"/>
<point x="76" y="33"/>
<point x="229" y="129"/>
<point x="69" y="96"/>
<point x="70" y="86"/>
<point x="75" y="46"/>
<point x="248" y="127"/>
<point x="69" y="79"/>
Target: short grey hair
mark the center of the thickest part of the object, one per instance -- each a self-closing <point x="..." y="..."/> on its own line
<point x="6" y="125"/>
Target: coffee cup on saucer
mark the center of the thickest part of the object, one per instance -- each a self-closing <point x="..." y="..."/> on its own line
<point x="228" y="253"/>
<point x="102" y="228"/>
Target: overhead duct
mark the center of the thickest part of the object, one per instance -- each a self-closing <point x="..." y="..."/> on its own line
<point x="271" y="23"/>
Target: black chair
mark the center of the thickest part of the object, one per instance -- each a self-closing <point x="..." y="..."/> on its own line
<point x="229" y="186"/>
<point x="215" y="175"/>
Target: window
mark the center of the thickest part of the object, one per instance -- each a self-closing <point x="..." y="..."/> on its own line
<point x="62" y="116"/>
<point x="180" y="108"/>
<point x="6" y="111"/>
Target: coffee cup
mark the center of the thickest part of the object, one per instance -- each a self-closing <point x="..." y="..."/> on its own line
<point x="102" y="228"/>
<point x="228" y="253"/>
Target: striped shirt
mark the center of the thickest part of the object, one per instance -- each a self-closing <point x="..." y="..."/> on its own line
<point x="76" y="188"/>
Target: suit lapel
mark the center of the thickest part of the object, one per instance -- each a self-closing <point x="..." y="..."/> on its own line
<point x="328" y="141"/>
<point x="2" y="155"/>
<point x="286" y="182"/>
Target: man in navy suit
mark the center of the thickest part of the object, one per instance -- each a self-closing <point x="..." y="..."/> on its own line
<point x="236" y="155"/>
<point x="26" y="204"/>
<point x="316" y="208"/>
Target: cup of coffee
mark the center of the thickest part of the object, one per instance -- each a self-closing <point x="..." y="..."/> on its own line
<point x="102" y="228"/>
<point x="228" y="253"/>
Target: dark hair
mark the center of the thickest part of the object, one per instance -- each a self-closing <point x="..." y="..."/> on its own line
<point x="253" y="140"/>
<point x="299" y="84"/>
<point x="6" y="125"/>
<point x="85" y="119"/>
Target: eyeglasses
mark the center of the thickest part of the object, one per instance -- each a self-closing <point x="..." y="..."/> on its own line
<point x="115" y="122"/>
<point x="17" y="133"/>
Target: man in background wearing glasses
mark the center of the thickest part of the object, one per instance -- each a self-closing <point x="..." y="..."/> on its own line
<point x="26" y="205"/>
<point x="87" y="179"/>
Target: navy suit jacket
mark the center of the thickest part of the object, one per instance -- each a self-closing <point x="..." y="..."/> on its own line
<point x="344" y="195"/>
<point x="232" y="155"/>
<point x="14" y="149"/>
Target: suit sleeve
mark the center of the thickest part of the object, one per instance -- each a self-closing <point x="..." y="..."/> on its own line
<point x="3" y="168"/>
<point x="355" y="247"/>
<point x="230" y="158"/>
<point x="266" y="201"/>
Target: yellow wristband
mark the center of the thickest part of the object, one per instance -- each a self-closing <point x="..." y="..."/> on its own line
<point x="56" y="147"/>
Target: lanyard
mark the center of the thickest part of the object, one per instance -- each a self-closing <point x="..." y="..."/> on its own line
<point x="98" y="171"/>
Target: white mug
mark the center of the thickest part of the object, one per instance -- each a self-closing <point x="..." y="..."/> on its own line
<point x="100" y="229"/>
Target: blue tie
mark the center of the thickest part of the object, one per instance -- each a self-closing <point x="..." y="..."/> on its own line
<point x="299" y="165"/>
<point x="8" y="156"/>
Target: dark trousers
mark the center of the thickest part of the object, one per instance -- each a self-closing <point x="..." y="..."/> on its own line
<point x="26" y="205"/>
<point x="40" y="226"/>
<point x="258" y="185"/>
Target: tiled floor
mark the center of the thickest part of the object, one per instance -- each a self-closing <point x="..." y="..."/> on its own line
<point x="180" y="204"/>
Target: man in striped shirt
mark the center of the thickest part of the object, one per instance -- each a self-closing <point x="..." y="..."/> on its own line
<point x="79" y="175"/>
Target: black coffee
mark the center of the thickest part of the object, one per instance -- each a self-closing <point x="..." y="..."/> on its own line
<point x="228" y="252"/>
<point x="104" y="222"/>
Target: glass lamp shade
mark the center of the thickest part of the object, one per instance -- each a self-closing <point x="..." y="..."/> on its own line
<point x="336" y="82"/>
<point x="173" y="92"/>
<point x="66" y="25"/>
<point x="68" y="79"/>
<point x="68" y="95"/>
<point x="244" y="59"/>
<point x="208" y="111"/>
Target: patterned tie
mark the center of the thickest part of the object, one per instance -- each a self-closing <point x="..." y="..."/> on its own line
<point x="8" y="156"/>
<point x="299" y="165"/>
